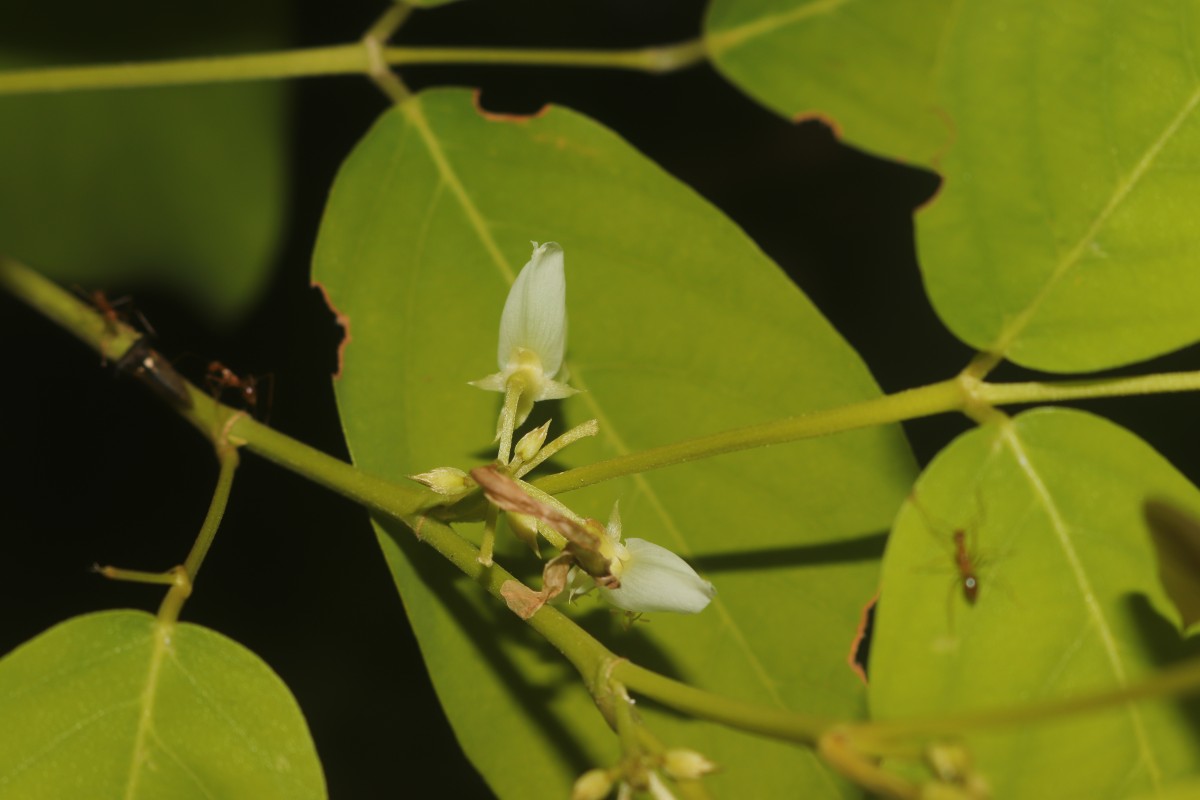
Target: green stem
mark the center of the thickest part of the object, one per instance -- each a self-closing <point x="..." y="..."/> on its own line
<point x="964" y="393"/>
<point x="137" y="575"/>
<point x="1177" y="680"/>
<point x="377" y="494"/>
<point x="655" y="60"/>
<point x="374" y="41"/>
<point x="1042" y="392"/>
<point x="936" y="398"/>
<point x="185" y="576"/>
<point x="840" y="751"/>
<point x="227" y="457"/>
<point x="506" y="425"/>
<point x="589" y="428"/>
<point x="487" y="544"/>
<point x="776" y="723"/>
<point x="343" y="59"/>
<point x="627" y="726"/>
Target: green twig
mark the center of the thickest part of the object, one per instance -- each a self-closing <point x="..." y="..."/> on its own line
<point x="1088" y="389"/>
<point x="936" y="398"/>
<point x="227" y="458"/>
<point x="343" y="59"/>
<point x="178" y="594"/>
<point x="1177" y="680"/>
<point x="373" y="42"/>
<point x="776" y="723"/>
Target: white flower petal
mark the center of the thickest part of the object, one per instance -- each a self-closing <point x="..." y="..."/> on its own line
<point x="613" y="528"/>
<point x="535" y="313"/>
<point x="553" y="390"/>
<point x="493" y="383"/>
<point x="655" y="579"/>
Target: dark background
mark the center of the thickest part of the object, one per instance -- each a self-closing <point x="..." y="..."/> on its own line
<point x="99" y="471"/>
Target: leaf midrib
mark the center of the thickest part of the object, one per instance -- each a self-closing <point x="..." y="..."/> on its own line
<point x="1012" y="330"/>
<point x="161" y="634"/>
<point x="1078" y="573"/>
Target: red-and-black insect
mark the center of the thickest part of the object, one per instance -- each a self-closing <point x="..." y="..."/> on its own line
<point x="966" y="567"/>
<point x="220" y="378"/>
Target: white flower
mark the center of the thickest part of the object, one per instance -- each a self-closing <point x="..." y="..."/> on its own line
<point x="652" y="577"/>
<point x="533" y="331"/>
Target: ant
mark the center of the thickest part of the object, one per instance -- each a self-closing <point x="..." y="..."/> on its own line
<point x="966" y="569"/>
<point x="220" y="378"/>
<point x="109" y="309"/>
<point x="964" y="556"/>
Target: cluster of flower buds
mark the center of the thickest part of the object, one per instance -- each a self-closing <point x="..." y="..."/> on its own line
<point x="642" y="774"/>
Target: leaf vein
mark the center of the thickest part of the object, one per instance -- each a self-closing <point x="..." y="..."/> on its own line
<point x="735" y="37"/>
<point x="416" y="118"/>
<point x="1124" y="187"/>
<point x="63" y="737"/>
<point x="1091" y="603"/>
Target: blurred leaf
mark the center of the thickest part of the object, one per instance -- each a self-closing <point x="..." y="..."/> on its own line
<point x="1064" y="235"/>
<point x="867" y="68"/>
<point x="1176" y="536"/>
<point x="177" y="188"/>
<point x="1183" y="790"/>
<point x="104" y="706"/>
<point x="1051" y="507"/>
<point x="679" y="326"/>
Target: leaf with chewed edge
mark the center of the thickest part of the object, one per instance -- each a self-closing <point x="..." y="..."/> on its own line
<point x="679" y="326"/>
<point x="1068" y="603"/>
<point x="867" y="68"/>
<point x="1064" y="237"/>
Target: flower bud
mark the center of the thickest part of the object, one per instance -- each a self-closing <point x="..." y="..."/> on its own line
<point x="445" y="480"/>
<point x="531" y="442"/>
<point x="685" y="765"/>
<point x="595" y="784"/>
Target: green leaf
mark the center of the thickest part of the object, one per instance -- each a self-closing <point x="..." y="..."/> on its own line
<point x="867" y="68"/>
<point x="679" y="326"/>
<point x="1183" y="790"/>
<point x="1069" y="603"/>
<point x="177" y="188"/>
<point x="112" y="705"/>
<point x="1064" y="236"/>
